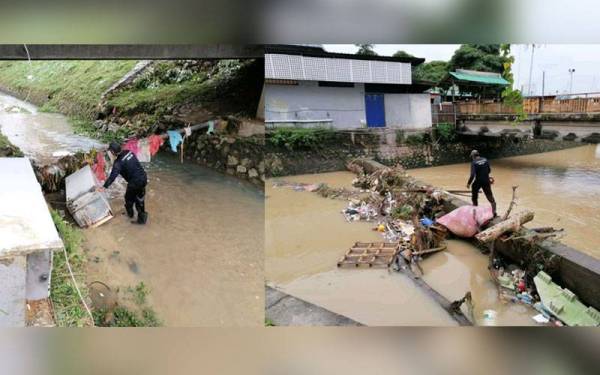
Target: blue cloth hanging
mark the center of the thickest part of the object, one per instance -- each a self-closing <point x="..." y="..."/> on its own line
<point x="174" y="139"/>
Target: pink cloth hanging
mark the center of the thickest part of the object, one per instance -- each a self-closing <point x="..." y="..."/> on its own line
<point x="155" y="142"/>
<point x="98" y="167"/>
<point x="132" y="145"/>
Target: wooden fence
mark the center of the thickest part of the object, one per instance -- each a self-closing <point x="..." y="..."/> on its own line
<point x="532" y="106"/>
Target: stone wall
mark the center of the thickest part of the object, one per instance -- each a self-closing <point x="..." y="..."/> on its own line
<point x="330" y="155"/>
<point x="236" y="156"/>
<point x="334" y="155"/>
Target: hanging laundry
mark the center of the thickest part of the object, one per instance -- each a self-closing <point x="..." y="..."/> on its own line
<point x="144" y="151"/>
<point x="174" y="139"/>
<point x="155" y="142"/>
<point x="132" y="145"/>
<point x="98" y="167"/>
<point x="211" y="127"/>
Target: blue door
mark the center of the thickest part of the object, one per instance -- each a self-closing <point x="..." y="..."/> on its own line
<point x="375" y="109"/>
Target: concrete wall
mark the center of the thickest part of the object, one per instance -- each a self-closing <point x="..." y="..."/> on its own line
<point x="408" y="111"/>
<point x="309" y="105"/>
<point x="581" y="129"/>
<point x="343" y="106"/>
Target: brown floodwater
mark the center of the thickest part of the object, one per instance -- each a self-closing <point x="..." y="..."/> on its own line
<point x="306" y="235"/>
<point x="43" y="137"/>
<point x="561" y="187"/>
<point x="201" y="253"/>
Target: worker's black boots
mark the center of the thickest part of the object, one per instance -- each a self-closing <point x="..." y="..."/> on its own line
<point x="142" y="218"/>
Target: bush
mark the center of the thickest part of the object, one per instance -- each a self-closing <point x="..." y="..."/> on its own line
<point x="414" y="139"/>
<point x="445" y="132"/>
<point x="300" y="138"/>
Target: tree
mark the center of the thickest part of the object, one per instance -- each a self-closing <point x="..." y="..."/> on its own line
<point x="482" y="57"/>
<point x="365" y="50"/>
<point x="511" y="97"/>
<point x="433" y="71"/>
<point x="402" y="54"/>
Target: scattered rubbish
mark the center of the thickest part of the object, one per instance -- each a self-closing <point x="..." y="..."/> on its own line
<point x="426" y="222"/>
<point x="489" y="317"/>
<point x="372" y="254"/>
<point x="88" y="207"/>
<point x="297" y="186"/>
<point x="361" y="211"/>
<point x="564" y="304"/>
<point x="541" y="319"/>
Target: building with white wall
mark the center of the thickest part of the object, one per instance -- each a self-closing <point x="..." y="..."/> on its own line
<point x="305" y="86"/>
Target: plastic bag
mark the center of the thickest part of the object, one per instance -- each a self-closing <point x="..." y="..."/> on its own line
<point x="465" y="221"/>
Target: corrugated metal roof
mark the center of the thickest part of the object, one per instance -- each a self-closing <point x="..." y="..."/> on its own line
<point x="487" y="78"/>
<point x="299" y="67"/>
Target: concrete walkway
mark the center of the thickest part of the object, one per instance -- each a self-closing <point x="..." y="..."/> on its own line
<point x="285" y="310"/>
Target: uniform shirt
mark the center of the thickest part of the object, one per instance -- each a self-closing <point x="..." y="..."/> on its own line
<point x="480" y="171"/>
<point x="128" y="166"/>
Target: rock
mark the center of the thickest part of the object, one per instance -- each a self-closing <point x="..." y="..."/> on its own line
<point x="261" y="167"/>
<point x="230" y="171"/>
<point x="252" y="173"/>
<point x="232" y="160"/>
<point x="241" y="169"/>
<point x="112" y="127"/>
<point x="245" y="162"/>
<point x="230" y="140"/>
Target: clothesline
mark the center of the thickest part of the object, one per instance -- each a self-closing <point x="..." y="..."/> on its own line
<point x="147" y="147"/>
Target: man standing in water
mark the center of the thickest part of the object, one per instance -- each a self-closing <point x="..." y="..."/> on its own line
<point x="480" y="179"/>
<point x="128" y="166"/>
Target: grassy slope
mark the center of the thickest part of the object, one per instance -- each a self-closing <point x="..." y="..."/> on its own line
<point x="68" y="308"/>
<point x="69" y="87"/>
<point x="8" y="149"/>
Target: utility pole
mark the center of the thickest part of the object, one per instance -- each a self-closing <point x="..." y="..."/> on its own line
<point x="530" y="70"/>
<point x="543" y="86"/>
<point x="571" y="71"/>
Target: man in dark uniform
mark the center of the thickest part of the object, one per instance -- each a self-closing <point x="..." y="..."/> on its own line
<point x="128" y="166"/>
<point x="480" y="178"/>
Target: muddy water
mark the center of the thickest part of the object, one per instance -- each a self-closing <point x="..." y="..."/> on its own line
<point x="201" y="254"/>
<point x="306" y="235"/>
<point x="43" y="137"/>
<point x="562" y="187"/>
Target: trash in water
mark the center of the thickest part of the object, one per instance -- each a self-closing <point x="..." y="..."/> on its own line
<point x="489" y="317"/>
<point x="362" y="211"/>
<point x="88" y="207"/>
<point x="541" y="319"/>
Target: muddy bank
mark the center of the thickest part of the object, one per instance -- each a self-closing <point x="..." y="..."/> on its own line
<point x="306" y="235"/>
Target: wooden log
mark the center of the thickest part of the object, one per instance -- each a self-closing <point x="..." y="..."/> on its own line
<point x="511" y="224"/>
<point x="447" y="305"/>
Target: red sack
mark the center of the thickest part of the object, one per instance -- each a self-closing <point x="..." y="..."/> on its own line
<point x="465" y="221"/>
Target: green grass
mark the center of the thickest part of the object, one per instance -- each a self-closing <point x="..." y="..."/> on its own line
<point x="269" y="323"/>
<point x="7" y="148"/>
<point x="137" y="314"/>
<point x="68" y="308"/>
<point x="155" y="94"/>
<point x="70" y="87"/>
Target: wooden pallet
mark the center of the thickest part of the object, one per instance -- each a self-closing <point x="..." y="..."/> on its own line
<point x="372" y="254"/>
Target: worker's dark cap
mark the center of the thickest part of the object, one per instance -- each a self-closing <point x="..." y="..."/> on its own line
<point x="114" y="147"/>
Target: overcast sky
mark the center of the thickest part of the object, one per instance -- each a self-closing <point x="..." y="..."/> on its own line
<point x="554" y="59"/>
